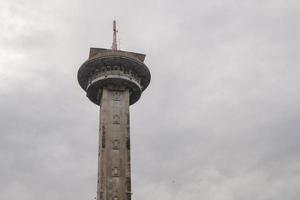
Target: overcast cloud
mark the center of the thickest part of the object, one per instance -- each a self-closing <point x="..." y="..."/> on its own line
<point x="220" y="119"/>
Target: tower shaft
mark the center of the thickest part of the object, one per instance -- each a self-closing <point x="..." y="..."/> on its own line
<point x="114" y="145"/>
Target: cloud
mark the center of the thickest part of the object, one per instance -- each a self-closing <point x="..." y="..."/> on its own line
<point x="218" y="121"/>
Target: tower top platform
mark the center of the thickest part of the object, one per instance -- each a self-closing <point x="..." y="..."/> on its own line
<point x="113" y="69"/>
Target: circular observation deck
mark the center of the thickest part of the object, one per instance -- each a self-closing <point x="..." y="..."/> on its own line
<point x="113" y="69"/>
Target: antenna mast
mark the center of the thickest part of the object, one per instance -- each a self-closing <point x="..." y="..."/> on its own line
<point x="114" y="44"/>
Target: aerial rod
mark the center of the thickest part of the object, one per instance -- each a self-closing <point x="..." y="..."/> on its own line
<point x="114" y="45"/>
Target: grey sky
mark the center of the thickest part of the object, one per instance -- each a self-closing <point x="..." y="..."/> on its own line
<point x="220" y="119"/>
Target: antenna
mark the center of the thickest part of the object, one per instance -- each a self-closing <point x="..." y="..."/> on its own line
<point x="114" y="43"/>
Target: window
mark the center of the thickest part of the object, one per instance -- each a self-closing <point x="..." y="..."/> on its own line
<point x="115" y="172"/>
<point x="116" y="145"/>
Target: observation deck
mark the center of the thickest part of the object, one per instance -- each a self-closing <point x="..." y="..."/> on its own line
<point x="113" y="69"/>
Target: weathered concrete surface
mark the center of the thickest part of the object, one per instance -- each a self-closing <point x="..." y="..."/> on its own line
<point x="114" y="80"/>
<point x="114" y="146"/>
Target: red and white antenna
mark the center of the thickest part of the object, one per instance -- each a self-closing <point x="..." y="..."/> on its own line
<point x="114" y="45"/>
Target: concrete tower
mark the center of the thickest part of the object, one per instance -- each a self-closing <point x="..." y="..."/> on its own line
<point x="114" y="79"/>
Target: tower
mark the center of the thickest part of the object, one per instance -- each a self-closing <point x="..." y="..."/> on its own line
<point x="114" y="80"/>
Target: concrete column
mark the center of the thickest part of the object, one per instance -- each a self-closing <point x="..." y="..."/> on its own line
<point x="114" y="146"/>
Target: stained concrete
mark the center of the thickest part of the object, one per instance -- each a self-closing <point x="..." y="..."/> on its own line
<point x="114" y="79"/>
<point x="114" y="146"/>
